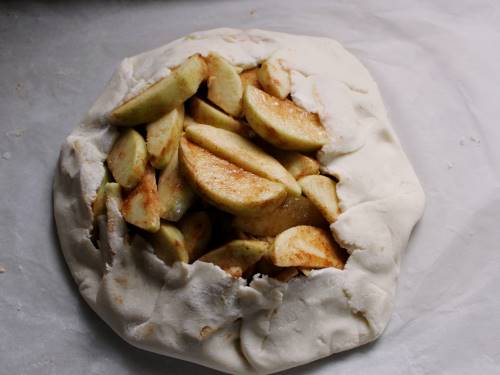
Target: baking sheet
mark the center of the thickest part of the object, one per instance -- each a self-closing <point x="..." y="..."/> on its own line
<point x="437" y="65"/>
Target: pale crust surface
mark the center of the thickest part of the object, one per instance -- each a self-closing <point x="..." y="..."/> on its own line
<point x="199" y="313"/>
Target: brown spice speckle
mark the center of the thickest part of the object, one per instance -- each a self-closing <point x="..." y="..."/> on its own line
<point x="206" y="331"/>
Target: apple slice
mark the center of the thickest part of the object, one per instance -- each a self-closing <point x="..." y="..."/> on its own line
<point x="306" y="246"/>
<point x="265" y="265"/>
<point x="163" y="137"/>
<point x="227" y="186"/>
<point x="176" y="196"/>
<point x="204" y="113"/>
<point x="165" y="95"/>
<point x="141" y="207"/>
<point x="128" y="158"/>
<point x="169" y="245"/>
<point x="297" y="164"/>
<point x="237" y="256"/>
<point x="197" y="229"/>
<point x="188" y="121"/>
<point x="249" y="77"/>
<point x="306" y="271"/>
<point x="294" y="211"/>
<point x="99" y="204"/>
<point x="287" y="274"/>
<point x="321" y="190"/>
<point x="243" y="153"/>
<point x="224" y="85"/>
<point x="274" y="79"/>
<point x="281" y="122"/>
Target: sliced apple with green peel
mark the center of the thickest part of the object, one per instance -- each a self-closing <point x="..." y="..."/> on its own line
<point x="274" y="79"/>
<point x="237" y="256"/>
<point x="204" y="113"/>
<point x="243" y="153"/>
<point x="249" y="77"/>
<point x="197" y="230"/>
<point x="175" y="194"/>
<point x="141" y="207"/>
<point x="322" y="192"/>
<point x="169" y="244"/>
<point x="306" y="246"/>
<point x="227" y="186"/>
<point x="282" y="123"/>
<point x="99" y="204"/>
<point x="297" y="164"/>
<point x="163" y="137"/>
<point x="163" y="96"/>
<point x="293" y="212"/>
<point x="224" y="85"/>
<point x="128" y="159"/>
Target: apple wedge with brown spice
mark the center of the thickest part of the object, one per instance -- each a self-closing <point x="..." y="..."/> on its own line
<point x="128" y="159"/>
<point x="250" y="77"/>
<point x="321" y="191"/>
<point x="237" y="256"/>
<point x="204" y="113"/>
<point x="175" y="194"/>
<point x="294" y="211"/>
<point x="197" y="230"/>
<point x="297" y="164"/>
<point x="243" y="153"/>
<point x="163" y="137"/>
<point x="274" y="79"/>
<point x="224" y="85"/>
<point x="281" y="122"/>
<point x="227" y="186"/>
<point x="141" y="207"/>
<point x="163" y="96"/>
<point x="307" y="246"/>
<point x="169" y="245"/>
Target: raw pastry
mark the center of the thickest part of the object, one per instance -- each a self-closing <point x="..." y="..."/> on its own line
<point x="198" y="312"/>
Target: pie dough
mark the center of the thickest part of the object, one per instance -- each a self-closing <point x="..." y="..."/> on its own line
<point x="197" y="312"/>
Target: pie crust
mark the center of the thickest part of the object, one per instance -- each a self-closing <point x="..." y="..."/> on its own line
<point x="197" y="312"/>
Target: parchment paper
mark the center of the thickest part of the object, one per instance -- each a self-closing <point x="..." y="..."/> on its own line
<point x="438" y="66"/>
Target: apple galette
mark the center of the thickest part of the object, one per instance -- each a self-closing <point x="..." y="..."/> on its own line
<point x="238" y="199"/>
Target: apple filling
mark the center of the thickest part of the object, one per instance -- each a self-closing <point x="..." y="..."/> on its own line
<point x="217" y="165"/>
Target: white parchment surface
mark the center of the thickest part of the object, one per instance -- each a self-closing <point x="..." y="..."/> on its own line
<point x="437" y="64"/>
